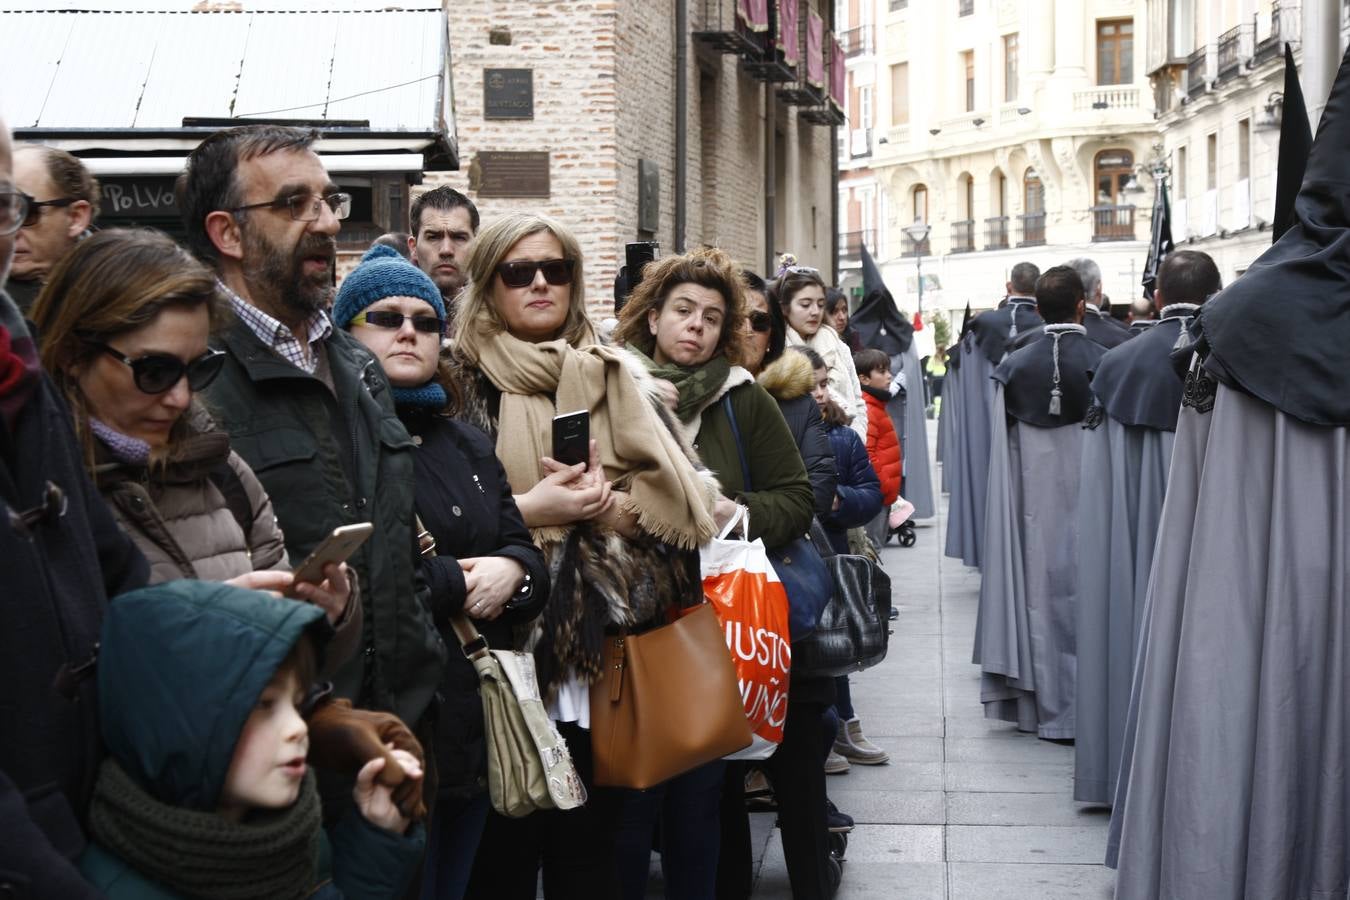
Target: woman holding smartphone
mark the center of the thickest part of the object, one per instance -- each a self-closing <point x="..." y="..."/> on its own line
<point x="483" y="564"/>
<point x="124" y="321"/>
<point x="620" y="532"/>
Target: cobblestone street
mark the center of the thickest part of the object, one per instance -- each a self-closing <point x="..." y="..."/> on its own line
<point x="967" y="809"/>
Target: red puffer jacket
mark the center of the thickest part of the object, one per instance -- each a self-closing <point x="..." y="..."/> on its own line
<point x="883" y="445"/>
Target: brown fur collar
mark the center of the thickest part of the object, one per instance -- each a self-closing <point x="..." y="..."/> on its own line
<point x="788" y="377"/>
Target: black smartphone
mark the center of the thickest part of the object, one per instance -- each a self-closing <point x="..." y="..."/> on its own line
<point x="636" y="256"/>
<point x="572" y="437"/>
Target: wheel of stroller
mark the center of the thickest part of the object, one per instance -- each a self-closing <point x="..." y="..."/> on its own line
<point x="907" y="536"/>
<point x="838" y="846"/>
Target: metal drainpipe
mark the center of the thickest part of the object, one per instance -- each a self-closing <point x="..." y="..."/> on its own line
<point x="770" y="154"/>
<point x="681" y="121"/>
<point x="834" y="204"/>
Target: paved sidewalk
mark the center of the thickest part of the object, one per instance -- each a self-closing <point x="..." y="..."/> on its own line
<point x="967" y="809"/>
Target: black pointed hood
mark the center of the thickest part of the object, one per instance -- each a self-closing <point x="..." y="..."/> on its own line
<point x="1295" y="145"/>
<point x="877" y="321"/>
<point x="1281" y="332"/>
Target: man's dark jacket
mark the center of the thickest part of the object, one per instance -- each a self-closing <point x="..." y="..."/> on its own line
<point x="55" y="578"/>
<point x="330" y="458"/>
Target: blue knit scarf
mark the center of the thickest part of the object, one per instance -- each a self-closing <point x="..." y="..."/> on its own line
<point x="429" y="396"/>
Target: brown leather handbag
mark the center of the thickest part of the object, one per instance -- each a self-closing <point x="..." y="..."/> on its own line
<point x="667" y="702"/>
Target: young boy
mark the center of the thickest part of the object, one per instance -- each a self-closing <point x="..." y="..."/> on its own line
<point x="883" y="445"/>
<point x="206" y="790"/>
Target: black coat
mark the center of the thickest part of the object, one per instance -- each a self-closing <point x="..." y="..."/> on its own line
<point x="55" y="578"/>
<point x="463" y="499"/>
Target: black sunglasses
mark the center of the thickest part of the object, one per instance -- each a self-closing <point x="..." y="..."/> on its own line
<point x="385" y="318"/>
<point x="156" y="373"/>
<point x="18" y="210"/>
<point x="760" y="321"/>
<point x="520" y="273"/>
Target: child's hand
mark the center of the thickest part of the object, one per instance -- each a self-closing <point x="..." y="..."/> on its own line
<point x="375" y="801"/>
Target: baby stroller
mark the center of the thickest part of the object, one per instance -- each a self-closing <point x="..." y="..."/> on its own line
<point x="900" y="524"/>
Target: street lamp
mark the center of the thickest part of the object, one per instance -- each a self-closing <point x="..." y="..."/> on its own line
<point x="918" y="233"/>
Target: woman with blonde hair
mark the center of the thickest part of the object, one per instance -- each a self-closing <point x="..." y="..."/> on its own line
<point x="124" y="322"/>
<point x="620" y="532"/>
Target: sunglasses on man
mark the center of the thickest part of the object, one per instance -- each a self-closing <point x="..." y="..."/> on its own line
<point x="155" y="373"/>
<point x="520" y="273"/>
<point x="18" y="210"/>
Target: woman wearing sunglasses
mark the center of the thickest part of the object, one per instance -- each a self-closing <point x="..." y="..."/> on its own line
<point x="620" y="531"/>
<point x="799" y="293"/>
<point x="124" y="321"/>
<point x="483" y="564"/>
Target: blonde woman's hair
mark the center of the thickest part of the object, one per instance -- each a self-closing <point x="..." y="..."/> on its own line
<point x="476" y="312"/>
<point x="707" y="267"/>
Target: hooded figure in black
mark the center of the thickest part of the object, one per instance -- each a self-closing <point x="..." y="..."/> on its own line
<point x="1127" y="449"/>
<point x="1234" y="777"/>
<point x="986" y="340"/>
<point x="1024" y="632"/>
<point x="881" y="327"/>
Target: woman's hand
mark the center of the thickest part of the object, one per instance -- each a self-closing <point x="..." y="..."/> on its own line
<point x="331" y="595"/>
<point x="375" y="801"/>
<point x="566" y="494"/>
<point x="670" y="395"/>
<point x="723" y="510"/>
<point x="625" y="523"/>
<point x="490" y="583"/>
<point x="270" y="580"/>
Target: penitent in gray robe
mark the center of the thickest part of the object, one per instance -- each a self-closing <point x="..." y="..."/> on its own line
<point x="944" y="430"/>
<point x="1120" y="497"/>
<point x="1234" y="774"/>
<point x="968" y="456"/>
<point x="1024" y="636"/>
<point x="910" y="423"/>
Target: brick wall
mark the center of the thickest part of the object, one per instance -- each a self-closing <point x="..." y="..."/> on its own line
<point x="604" y="98"/>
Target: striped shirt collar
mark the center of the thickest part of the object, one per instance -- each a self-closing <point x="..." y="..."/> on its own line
<point x="277" y="337"/>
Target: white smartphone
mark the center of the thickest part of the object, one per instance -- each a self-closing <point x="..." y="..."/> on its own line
<point x="342" y="543"/>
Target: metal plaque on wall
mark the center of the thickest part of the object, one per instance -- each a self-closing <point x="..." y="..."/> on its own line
<point x="508" y="93"/>
<point x="506" y="173"/>
<point x="649" y="195"/>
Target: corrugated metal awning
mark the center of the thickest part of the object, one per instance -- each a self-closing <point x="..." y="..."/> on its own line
<point x="125" y="75"/>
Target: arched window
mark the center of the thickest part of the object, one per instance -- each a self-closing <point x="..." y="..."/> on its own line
<point x="921" y="202"/>
<point x="1032" y="220"/>
<point x="1113" y="213"/>
<point x="963" y="232"/>
<point x="919" y="208"/>
<point x="996" y="234"/>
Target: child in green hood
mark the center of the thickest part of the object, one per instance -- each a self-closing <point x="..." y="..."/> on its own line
<point x="206" y="791"/>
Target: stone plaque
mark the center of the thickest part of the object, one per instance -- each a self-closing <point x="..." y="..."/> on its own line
<point x="504" y="173"/>
<point x="508" y="93"/>
<point x="649" y="195"/>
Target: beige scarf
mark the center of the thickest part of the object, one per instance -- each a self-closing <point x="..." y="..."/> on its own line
<point x="637" y="450"/>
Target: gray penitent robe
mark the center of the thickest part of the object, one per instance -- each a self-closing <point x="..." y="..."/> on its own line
<point x="968" y="456"/>
<point x="1024" y="633"/>
<point x="1120" y="497"/>
<point x="911" y="425"/>
<point x="944" y="431"/>
<point x="1234" y="774"/>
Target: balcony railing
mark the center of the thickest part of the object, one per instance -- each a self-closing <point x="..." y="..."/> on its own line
<point x="856" y="41"/>
<point x="1112" y="223"/>
<point x="996" y="233"/>
<point x="852" y="242"/>
<point x="963" y="236"/>
<point x="722" y="29"/>
<point x="1197" y="73"/>
<point x="1033" y="229"/>
<point x="1106" y="98"/>
<point x="1286" y="22"/>
<point x="965" y="7"/>
<point x="1235" y="48"/>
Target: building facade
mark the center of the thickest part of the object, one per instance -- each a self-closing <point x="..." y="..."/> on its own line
<point x="1217" y="70"/>
<point x="1015" y="130"/>
<point x="621" y="153"/>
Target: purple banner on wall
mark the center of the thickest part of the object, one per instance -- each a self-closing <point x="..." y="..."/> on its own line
<point x="789" y="41"/>
<point x="837" y="77"/>
<point x="754" y="13"/>
<point x="815" y="50"/>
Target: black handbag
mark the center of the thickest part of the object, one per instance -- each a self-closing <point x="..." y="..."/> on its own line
<point x="806" y="579"/>
<point x="854" y="630"/>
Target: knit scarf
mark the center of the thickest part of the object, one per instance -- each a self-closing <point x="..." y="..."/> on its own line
<point x="19" y="367"/>
<point x="637" y="451"/>
<point x="696" y="384"/>
<point x="124" y="448"/>
<point x="429" y="396"/>
<point x="202" y="854"/>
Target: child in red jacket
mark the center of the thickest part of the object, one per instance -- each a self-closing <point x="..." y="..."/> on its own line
<point x="883" y="444"/>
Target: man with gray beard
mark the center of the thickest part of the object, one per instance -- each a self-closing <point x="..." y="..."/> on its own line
<point x="306" y="405"/>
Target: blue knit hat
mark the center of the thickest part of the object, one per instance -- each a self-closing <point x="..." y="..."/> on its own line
<point x="383" y="273"/>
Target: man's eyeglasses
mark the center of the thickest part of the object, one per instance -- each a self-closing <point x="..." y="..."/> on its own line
<point x="306" y="207"/>
<point x="18" y="210"/>
<point x="520" y="273"/>
<point x="760" y="321"/>
<point x="156" y="373"/>
<point x="384" y="318"/>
